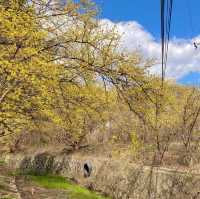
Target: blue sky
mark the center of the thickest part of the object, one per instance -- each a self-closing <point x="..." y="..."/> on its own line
<point x="185" y="22"/>
<point x="185" y="26"/>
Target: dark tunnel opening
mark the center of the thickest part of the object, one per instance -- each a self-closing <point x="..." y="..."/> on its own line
<point x="87" y="167"/>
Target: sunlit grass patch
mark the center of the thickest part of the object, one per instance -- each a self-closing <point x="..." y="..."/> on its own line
<point x="2" y="162"/>
<point x="8" y="197"/>
<point x="58" y="182"/>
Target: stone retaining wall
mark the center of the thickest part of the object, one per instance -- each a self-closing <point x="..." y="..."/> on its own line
<point x="120" y="180"/>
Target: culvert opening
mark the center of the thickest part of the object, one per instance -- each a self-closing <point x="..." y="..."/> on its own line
<point x="87" y="169"/>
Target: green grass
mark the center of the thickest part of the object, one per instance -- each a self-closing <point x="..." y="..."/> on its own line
<point x="2" y="162"/>
<point x="58" y="182"/>
<point x="7" y="198"/>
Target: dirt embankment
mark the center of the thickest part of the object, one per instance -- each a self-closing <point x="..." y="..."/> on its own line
<point x="8" y="187"/>
<point x="116" y="178"/>
<point x="20" y="187"/>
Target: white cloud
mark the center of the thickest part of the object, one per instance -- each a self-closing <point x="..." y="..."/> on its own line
<point x="183" y="58"/>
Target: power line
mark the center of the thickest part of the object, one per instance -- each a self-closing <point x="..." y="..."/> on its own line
<point x="162" y="10"/>
<point x="166" y="7"/>
<point x="168" y="27"/>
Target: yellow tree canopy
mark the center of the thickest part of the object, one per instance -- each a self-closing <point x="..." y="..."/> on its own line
<point x="64" y="66"/>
